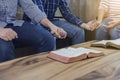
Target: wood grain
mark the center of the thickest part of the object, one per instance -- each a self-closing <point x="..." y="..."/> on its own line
<point x="39" y="67"/>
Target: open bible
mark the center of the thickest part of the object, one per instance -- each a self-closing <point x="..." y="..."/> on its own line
<point x="107" y="44"/>
<point x="67" y="55"/>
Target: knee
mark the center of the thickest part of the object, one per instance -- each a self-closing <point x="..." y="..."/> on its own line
<point x="6" y="51"/>
<point x="79" y="32"/>
<point x="48" y="43"/>
<point x="100" y="30"/>
<point x="114" y="33"/>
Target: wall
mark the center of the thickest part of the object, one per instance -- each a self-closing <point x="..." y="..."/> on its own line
<point x="86" y="10"/>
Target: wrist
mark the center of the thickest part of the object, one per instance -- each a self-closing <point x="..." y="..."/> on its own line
<point x="99" y="21"/>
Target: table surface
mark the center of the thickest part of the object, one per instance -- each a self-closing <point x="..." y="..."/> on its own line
<point x="39" y="67"/>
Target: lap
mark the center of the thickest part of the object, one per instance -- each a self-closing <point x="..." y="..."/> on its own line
<point x="68" y="27"/>
<point x="4" y="43"/>
<point x="113" y="32"/>
<point x="30" y="33"/>
<point x="65" y="25"/>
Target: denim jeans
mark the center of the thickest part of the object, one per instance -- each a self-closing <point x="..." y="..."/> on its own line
<point x="74" y="32"/>
<point x="28" y="35"/>
<point x="103" y="34"/>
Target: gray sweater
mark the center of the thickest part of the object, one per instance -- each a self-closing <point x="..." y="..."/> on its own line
<point x="8" y="9"/>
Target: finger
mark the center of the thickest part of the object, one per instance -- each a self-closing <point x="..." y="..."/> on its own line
<point x="108" y="27"/>
<point x="13" y="34"/>
<point x="65" y="35"/>
<point x="56" y="34"/>
<point x="62" y="33"/>
<point x="4" y="38"/>
<point x="111" y="22"/>
<point x="10" y="35"/>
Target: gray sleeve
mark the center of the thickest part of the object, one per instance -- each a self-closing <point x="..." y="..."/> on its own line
<point x="2" y="24"/>
<point x="32" y="11"/>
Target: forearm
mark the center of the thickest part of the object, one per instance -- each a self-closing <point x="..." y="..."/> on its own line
<point x="101" y="13"/>
<point x="56" y="31"/>
<point x="32" y="11"/>
<point x="46" y="23"/>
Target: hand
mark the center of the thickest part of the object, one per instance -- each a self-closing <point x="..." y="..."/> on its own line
<point x="62" y="33"/>
<point x="7" y="34"/>
<point x="112" y="24"/>
<point x="85" y="26"/>
<point x="93" y="24"/>
<point x="58" y="32"/>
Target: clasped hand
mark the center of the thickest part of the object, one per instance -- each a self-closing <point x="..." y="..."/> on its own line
<point x="7" y="34"/>
<point x="91" y="25"/>
<point x="96" y="24"/>
<point x="58" y="32"/>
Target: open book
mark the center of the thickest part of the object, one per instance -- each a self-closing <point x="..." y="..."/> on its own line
<point x="67" y="55"/>
<point x="107" y="43"/>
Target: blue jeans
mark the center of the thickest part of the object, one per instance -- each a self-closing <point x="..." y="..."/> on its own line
<point x="28" y="35"/>
<point x="103" y="34"/>
<point x="74" y="32"/>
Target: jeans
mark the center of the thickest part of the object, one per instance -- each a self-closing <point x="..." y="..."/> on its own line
<point x="103" y="34"/>
<point x="74" y="32"/>
<point x="28" y="35"/>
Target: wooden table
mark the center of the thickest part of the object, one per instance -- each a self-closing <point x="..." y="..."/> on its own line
<point x="39" y="67"/>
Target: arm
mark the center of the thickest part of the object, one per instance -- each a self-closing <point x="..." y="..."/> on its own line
<point x="103" y="10"/>
<point x="56" y="31"/>
<point x="32" y="11"/>
<point x="39" y="16"/>
<point x="101" y="13"/>
<point x="69" y="16"/>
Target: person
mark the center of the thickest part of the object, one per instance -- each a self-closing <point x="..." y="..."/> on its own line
<point x="108" y="20"/>
<point x="24" y="33"/>
<point x="73" y="25"/>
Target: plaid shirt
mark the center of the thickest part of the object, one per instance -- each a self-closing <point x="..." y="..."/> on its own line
<point x="50" y="7"/>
